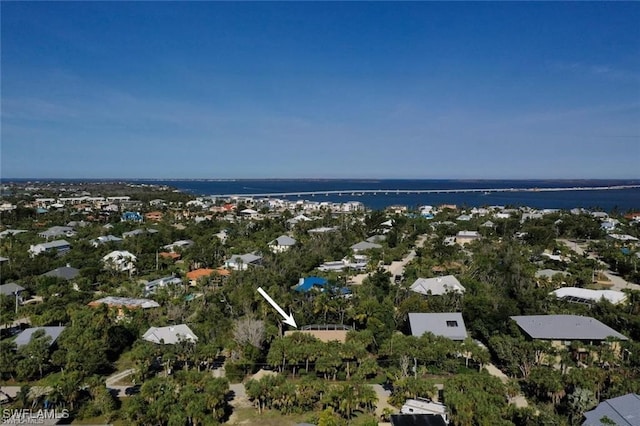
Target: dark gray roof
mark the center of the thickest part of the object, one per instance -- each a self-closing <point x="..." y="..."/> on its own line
<point x="25" y="337"/>
<point x="417" y="420"/>
<point x="65" y="272"/>
<point x="10" y="289"/>
<point x="284" y="240"/>
<point x="623" y="411"/>
<point x="448" y="324"/>
<point x="365" y="245"/>
<point x="565" y="327"/>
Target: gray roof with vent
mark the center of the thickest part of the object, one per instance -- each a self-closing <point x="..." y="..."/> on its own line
<point x="447" y="324"/>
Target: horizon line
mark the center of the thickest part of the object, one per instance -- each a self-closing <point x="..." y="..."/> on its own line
<point x="306" y="179"/>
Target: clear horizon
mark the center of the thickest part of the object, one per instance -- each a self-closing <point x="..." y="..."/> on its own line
<point x="298" y="90"/>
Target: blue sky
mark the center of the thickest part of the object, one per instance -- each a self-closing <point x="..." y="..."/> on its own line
<point x="313" y="89"/>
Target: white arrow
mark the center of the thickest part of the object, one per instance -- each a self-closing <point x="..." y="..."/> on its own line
<point x="288" y="319"/>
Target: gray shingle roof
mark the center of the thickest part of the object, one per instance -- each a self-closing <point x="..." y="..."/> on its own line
<point x="65" y="272"/>
<point x="448" y="324"/>
<point x="284" y="240"/>
<point x="10" y="289"/>
<point x="25" y="337"/>
<point x="365" y="245"/>
<point x="623" y="411"/>
<point x="565" y="327"/>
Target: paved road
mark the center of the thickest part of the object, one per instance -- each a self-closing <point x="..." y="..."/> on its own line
<point x="618" y="282"/>
<point x="110" y="382"/>
<point x="396" y="267"/>
<point x="382" y="404"/>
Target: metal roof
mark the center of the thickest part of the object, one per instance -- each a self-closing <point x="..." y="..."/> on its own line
<point x="365" y="245"/>
<point x="623" y="411"/>
<point x="585" y="295"/>
<point x="447" y="324"/>
<point x="24" y="338"/>
<point x="565" y="327"/>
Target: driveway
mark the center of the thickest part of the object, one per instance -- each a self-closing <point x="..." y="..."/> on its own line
<point x="618" y="283"/>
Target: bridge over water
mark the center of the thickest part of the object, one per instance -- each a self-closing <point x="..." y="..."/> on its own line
<point x="358" y="192"/>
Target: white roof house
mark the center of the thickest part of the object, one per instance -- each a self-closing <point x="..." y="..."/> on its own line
<point x="57" y="245"/>
<point x="120" y="260"/>
<point x="437" y="286"/>
<point x="585" y="295"/>
<point x="170" y="335"/>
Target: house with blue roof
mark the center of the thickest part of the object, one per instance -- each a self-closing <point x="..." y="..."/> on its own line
<point x="308" y="284"/>
<point x="131" y="217"/>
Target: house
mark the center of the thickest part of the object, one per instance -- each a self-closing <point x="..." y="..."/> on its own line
<point x="425" y="406"/>
<point x="57" y="231"/>
<point x="563" y="329"/>
<point x="8" y="232"/>
<point x="300" y="218"/>
<point x="131" y="217"/>
<point x="447" y="324"/>
<point x="417" y="420"/>
<point x="154" y="216"/>
<point x="150" y="287"/>
<point x="65" y="272"/>
<point x="120" y="260"/>
<point x="133" y="233"/>
<point x="585" y="295"/>
<point x="180" y="244"/>
<point x="308" y="284"/>
<point x="170" y="335"/>
<point x="622" y="411"/>
<point x="488" y="224"/>
<point x="24" y="337"/>
<point x="59" y="246"/>
<point x="437" y="286"/>
<point x="282" y="244"/>
<point x="463" y="218"/>
<point x="125" y="302"/>
<point x="197" y="274"/>
<point x="465" y="237"/>
<point x="240" y="262"/>
<point x="364" y="246"/>
<point x="105" y="239"/>
<point x="250" y="213"/>
<point x="322" y="230"/>
<point x="624" y="238"/>
<point x="324" y="332"/>
<point x="11" y="289"/>
<point x="170" y="255"/>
